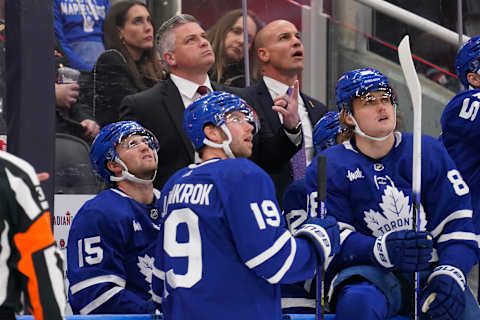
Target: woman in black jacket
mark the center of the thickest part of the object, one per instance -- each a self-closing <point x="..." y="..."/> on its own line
<point x="129" y="65"/>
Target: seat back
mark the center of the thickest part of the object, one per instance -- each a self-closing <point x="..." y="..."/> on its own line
<point x="73" y="170"/>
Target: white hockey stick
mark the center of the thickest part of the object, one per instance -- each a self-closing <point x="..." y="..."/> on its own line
<point x="413" y="85"/>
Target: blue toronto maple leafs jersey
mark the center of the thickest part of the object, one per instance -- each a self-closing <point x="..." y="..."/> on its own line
<point x="224" y="247"/>
<point x="461" y="136"/>
<point x="110" y="254"/>
<point x="371" y="197"/>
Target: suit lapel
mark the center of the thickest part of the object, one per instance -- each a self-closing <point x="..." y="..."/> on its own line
<point x="173" y="103"/>
<point x="314" y="111"/>
<point x="265" y="99"/>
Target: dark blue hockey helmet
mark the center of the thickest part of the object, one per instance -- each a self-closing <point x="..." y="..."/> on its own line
<point x="358" y="82"/>
<point x="212" y="108"/>
<point x="325" y="131"/>
<point x="467" y="59"/>
<point x="103" y="147"/>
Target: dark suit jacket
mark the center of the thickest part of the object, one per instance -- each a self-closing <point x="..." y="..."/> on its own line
<point x="278" y="166"/>
<point x="160" y="109"/>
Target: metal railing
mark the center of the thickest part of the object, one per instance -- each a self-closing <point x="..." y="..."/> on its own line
<point x="414" y="20"/>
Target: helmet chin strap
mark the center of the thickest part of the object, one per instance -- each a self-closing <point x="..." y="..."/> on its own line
<point x="128" y="176"/>
<point x="359" y="131"/>
<point x="225" y="145"/>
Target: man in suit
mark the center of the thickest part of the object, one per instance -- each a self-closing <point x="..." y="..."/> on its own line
<point x="280" y="53"/>
<point x="188" y="56"/>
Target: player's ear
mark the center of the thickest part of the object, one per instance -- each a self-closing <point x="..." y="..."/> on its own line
<point x="213" y="133"/>
<point x="473" y="79"/>
<point x="347" y="118"/>
<point x="114" y="167"/>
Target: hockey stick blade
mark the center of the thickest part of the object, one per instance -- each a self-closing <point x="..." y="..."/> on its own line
<point x="321" y="198"/>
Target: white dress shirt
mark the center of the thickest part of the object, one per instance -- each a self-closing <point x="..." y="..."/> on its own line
<point x="188" y="92"/>
<point x="188" y="89"/>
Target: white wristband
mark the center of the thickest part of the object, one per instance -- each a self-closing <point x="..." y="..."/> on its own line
<point x="380" y="251"/>
<point x="450" y="271"/>
<point x="319" y="234"/>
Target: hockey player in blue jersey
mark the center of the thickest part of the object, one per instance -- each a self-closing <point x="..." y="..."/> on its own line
<point x="301" y="297"/>
<point x="224" y="247"/>
<point x="111" y="242"/>
<point x="369" y="192"/>
<point x="295" y="198"/>
<point x="461" y="121"/>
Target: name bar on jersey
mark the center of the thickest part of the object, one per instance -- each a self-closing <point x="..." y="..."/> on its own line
<point x="190" y="194"/>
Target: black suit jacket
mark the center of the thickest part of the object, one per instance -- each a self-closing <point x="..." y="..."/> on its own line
<point x="278" y="166"/>
<point x="160" y="109"/>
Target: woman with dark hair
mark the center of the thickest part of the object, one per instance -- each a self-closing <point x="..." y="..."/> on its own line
<point x="129" y="65"/>
<point x="227" y="40"/>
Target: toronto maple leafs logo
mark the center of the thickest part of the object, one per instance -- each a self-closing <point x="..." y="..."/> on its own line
<point x="145" y="265"/>
<point x="396" y="215"/>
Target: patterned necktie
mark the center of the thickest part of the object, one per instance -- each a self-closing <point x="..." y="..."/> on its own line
<point x="299" y="163"/>
<point x="202" y="90"/>
<point x="299" y="160"/>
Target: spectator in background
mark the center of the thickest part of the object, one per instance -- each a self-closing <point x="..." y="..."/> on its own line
<point x="279" y="49"/>
<point x="227" y="40"/>
<point x="113" y="236"/>
<point x="78" y="27"/>
<point x="30" y="263"/>
<point x="130" y="64"/>
<point x="71" y="117"/>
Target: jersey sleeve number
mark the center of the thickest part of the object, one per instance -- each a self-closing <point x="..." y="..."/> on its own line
<point x="89" y="251"/>
<point x="469" y="110"/>
<point x="266" y="213"/>
<point x="192" y="249"/>
<point x="460" y="187"/>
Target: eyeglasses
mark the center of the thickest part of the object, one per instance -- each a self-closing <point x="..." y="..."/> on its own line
<point x="369" y="99"/>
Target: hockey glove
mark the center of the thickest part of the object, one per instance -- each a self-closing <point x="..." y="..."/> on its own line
<point x="404" y="250"/>
<point x="443" y="297"/>
<point x="324" y="234"/>
<point x="325" y="131"/>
